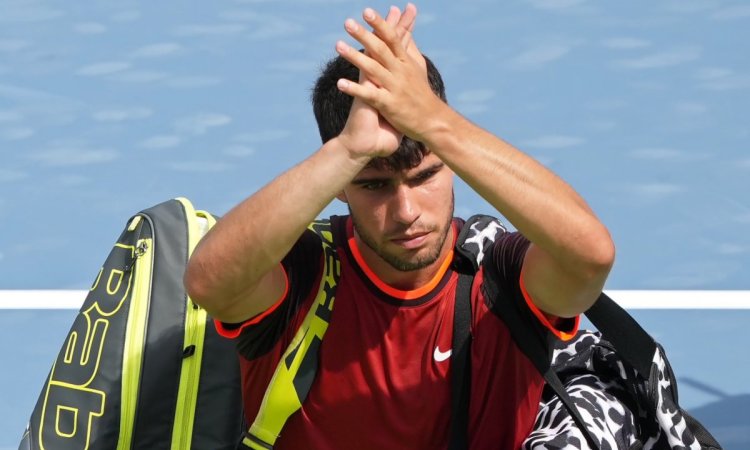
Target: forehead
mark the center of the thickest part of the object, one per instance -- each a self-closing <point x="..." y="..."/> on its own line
<point x="429" y="161"/>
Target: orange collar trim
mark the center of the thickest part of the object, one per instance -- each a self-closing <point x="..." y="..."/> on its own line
<point x="386" y="288"/>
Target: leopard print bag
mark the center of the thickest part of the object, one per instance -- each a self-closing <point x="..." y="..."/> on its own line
<point x="621" y="409"/>
<point x="615" y="392"/>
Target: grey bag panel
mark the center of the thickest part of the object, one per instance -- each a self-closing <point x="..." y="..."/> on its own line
<point x="79" y="404"/>
<point x="219" y="391"/>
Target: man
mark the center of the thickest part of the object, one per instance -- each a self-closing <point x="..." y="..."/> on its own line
<point x="383" y="379"/>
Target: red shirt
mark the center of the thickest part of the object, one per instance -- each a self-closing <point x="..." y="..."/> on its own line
<point x="383" y="378"/>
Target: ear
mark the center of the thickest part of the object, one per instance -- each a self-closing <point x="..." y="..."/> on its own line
<point x="342" y="196"/>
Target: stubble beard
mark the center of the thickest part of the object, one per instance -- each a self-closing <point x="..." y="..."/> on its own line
<point x="402" y="264"/>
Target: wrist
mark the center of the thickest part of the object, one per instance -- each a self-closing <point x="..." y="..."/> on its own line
<point x="340" y="146"/>
<point x="442" y="124"/>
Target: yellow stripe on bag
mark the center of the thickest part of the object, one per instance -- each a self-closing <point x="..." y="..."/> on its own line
<point x="294" y="375"/>
<point x="135" y="336"/>
<point x="195" y="329"/>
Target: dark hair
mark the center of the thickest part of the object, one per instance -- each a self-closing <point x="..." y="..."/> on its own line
<point x="331" y="108"/>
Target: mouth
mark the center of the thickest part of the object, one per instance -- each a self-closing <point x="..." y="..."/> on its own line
<point x="410" y="241"/>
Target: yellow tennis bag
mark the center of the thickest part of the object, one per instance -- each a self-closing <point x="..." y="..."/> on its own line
<point x="142" y="366"/>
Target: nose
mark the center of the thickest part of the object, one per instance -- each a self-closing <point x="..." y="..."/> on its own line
<point x="404" y="206"/>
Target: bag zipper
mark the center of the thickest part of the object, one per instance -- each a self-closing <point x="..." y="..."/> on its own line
<point x="187" y="395"/>
<point x="195" y="330"/>
<point x="135" y="333"/>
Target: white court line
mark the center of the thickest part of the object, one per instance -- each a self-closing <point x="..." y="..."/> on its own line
<point x="42" y="299"/>
<point x="681" y="299"/>
<point x="72" y="299"/>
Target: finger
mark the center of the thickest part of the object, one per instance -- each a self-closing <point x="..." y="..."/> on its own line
<point x="408" y="43"/>
<point x="374" y="46"/>
<point x="406" y="25"/>
<point x="385" y="32"/>
<point x="394" y="16"/>
<point x="401" y="25"/>
<point x="408" y="17"/>
<point x="368" y="94"/>
<point x="369" y="68"/>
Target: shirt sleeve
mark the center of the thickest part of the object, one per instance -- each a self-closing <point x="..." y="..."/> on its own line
<point x="506" y="258"/>
<point x="302" y="266"/>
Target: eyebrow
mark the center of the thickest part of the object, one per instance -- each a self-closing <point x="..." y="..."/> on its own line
<point x="433" y="168"/>
<point x="365" y="179"/>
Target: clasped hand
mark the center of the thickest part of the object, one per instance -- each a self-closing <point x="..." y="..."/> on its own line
<point x="392" y="97"/>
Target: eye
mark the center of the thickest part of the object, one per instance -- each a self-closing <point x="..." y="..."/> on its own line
<point x="373" y="185"/>
<point x="425" y="176"/>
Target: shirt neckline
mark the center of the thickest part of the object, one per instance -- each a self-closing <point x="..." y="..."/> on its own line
<point x="399" y="294"/>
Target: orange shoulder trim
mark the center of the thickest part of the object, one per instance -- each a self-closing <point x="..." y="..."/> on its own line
<point x="233" y="332"/>
<point x="564" y="335"/>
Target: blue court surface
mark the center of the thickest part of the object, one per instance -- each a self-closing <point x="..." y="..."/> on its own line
<point x="708" y="349"/>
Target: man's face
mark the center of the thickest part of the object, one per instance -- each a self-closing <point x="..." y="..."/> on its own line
<point x="403" y="217"/>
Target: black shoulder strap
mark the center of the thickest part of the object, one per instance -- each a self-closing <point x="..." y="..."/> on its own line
<point x="553" y="381"/>
<point x="473" y="241"/>
<point x="533" y="347"/>
<point x="632" y="342"/>
<point x="461" y="365"/>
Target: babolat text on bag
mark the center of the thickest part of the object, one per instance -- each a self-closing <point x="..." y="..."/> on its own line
<point x="142" y="366"/>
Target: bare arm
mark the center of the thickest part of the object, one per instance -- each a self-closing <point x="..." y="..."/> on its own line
<point x="235" y="271"/>
<point x="571" y="253"/>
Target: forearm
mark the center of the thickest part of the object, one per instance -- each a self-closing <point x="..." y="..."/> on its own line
<point x="571" y="252"/>
<point x="252" y="238"/>
<point x="536" y="201"/>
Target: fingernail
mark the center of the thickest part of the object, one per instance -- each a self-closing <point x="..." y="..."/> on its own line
<point x="351" y="25"/>
<point x="340" y="46"/>
<point x="369" y="14"/>
<point x="342" y="84"/>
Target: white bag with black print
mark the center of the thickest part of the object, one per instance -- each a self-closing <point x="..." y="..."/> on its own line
<point x="621" y="408"/>
<point x="610" y="390"/>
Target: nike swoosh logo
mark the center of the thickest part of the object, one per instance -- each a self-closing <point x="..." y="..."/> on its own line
<point x="441" y="356"/>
